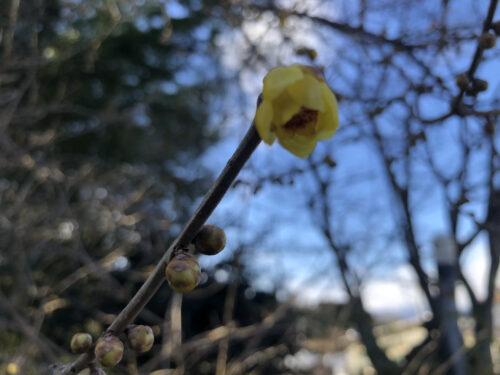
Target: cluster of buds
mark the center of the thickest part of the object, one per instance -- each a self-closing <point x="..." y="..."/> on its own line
<point x="183" y="274"/>
<point x="183" y="271"/>
<point x="462" y="81"/>
<point x="474" y="86"/>
<point x="471" y="87"/>
<point x="108" y="350"/>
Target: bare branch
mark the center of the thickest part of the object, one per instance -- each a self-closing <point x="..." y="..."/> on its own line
<point x="154" y="281"/>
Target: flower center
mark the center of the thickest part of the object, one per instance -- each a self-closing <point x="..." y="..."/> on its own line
<point x="302" y="120"/>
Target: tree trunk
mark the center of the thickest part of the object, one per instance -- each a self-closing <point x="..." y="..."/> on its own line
<point x="481" y="356"/>
<point x="481" y="361"/>
<point x="381" y="363"/>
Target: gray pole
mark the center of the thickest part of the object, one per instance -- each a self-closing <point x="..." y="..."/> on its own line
<point x="452" y="345"/>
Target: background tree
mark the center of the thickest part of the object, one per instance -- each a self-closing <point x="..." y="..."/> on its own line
<point x="419" y="124"/>
<point x="107" y="109"/>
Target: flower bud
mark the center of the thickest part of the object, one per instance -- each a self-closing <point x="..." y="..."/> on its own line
<point x="462" y="81"/>
<point x="210" y="240"/>
<point x="183" y="272"/>
<point x="480" y="85"/>
<point x="80" y="342"/>
<point x="487" y="40"/>
<point x="109" y="350"/>
<point x="140" y="338"/>
<point x="489" y="128"/>
<point x="496" y="27"/>
<point x="309" y="52"/>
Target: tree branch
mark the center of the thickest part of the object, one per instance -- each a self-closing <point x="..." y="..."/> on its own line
<point x="478" y="54"/>
<point x="205" y="209"/>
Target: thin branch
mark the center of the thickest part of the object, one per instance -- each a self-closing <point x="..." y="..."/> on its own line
<point x="492" y="222"/>
<point x="261" y="356"/>
<point x="9" y="34"/>
<point x="467" y="242"/>
<point x="456" y="104"/>
<point x="478" y="53"/>
<point x="401" y="194"/>
<point x="155" y="280"/>
<point x="345" y="28"/>
<point x="229" y="305"/>
<point x="468" y="287"/>
<point x="462" y="112"/>
<point x="47" y="347"/>
<point x="207" y="340"/>
<point x="325" y="225"/>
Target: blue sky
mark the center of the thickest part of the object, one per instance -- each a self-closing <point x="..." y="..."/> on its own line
<point x="294" y="252"/>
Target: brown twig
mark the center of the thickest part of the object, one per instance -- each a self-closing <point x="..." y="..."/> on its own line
<point x="9" y="34"/>
<point x="222" y="355"/>
<point x="478" y="54"/>
<point x="205" y="209"/>
<point x="456" y="103"/>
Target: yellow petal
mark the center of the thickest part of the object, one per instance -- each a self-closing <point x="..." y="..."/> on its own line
<point x="284" y="108"/>
<point x="299" y="145"/>
<point x="328" y="97"/>
<point x="325" y="127"/>
<point x="328" y="122"/>
<point x="263" y="119"/>
<point x="298" y="148"/>
<point x="307" y="92"/>
<point x="276" y="81"/>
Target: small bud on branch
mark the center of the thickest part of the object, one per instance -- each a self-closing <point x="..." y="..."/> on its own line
<point x="210" y="240"/>
<point x="80" y="342"/>
<point x="109" y="350"/>
<point x="183" y="272"/>
<point x="487" y="41"/>
<point x="140" y="338"/>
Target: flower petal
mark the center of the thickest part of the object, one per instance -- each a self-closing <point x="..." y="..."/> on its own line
<point x="307" y="92"/>
<point x="297" y="147"/>
<point x="284" y="108"/>
<point x="277" y="80"/>
<point x="297" y="144"/>
<point x="263" y="119"/>
<point x="328" y="122"/>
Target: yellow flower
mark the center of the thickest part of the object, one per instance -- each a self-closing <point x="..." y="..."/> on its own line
<point x="298" y="108"/>
<point x="12" y="368"/>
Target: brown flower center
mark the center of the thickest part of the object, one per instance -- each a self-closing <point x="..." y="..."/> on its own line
<point x="302" y="119"/>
